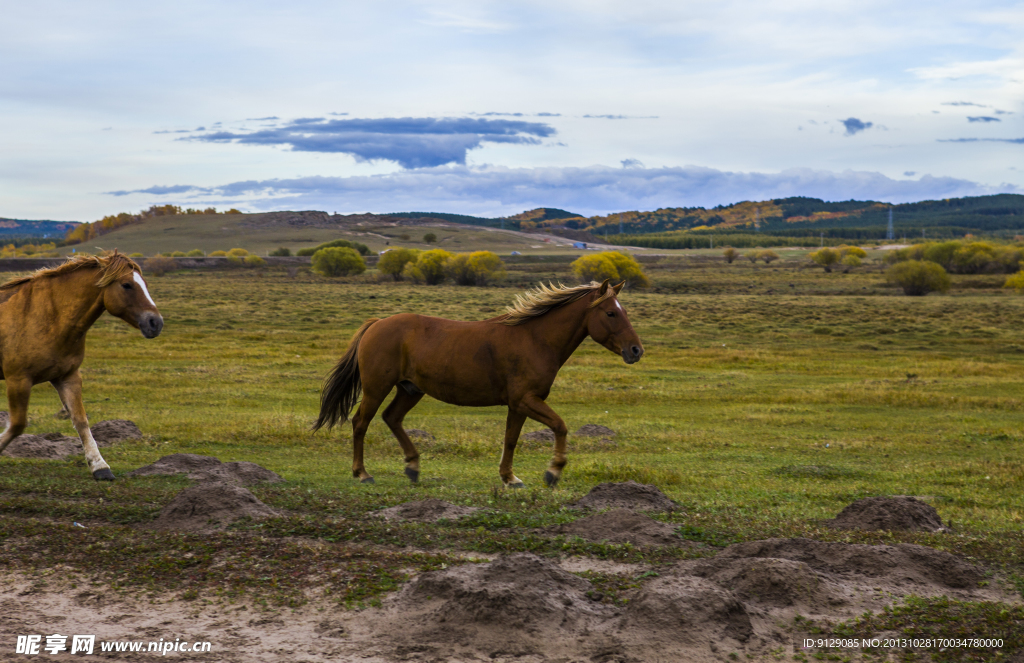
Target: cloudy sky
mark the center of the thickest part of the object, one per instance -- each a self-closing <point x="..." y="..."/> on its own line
<point x="492" y="108"/>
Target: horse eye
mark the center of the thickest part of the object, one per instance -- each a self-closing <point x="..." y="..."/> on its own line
<point x="611" y="314"/>
<point x="126" y="286"/>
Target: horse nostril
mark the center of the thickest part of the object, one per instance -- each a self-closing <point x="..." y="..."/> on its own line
<point x="637" y="351"/>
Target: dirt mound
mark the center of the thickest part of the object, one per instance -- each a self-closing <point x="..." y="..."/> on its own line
<point x="626" y="495"/>
<point x="210" y="505"/>
<point x="595" y="430"/>
<point x="114" y="430"/>
<point x="682" y="610"/>
<point x="903" y="564"/>
<point x="53" y="446"/>
<point x="772" y="582"/>
<point x="621" y="526"/>
<point x="515" y="606"/>
<point x="209" y="468"/>
<point x="889" y="513"/>
<point x="426" y="511"/>
<point x="542" y="435"/>
<point x="419" y="433"/>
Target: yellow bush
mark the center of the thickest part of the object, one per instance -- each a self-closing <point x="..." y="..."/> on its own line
<point x="612" y="265"/>
<point x="429" y="267"/>
<point x="241" y="253"/>
<point x="474" y="268"/>
<point x="218" y="254"/>
<point x="1016" y="281"/>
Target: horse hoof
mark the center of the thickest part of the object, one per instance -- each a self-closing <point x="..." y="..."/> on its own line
<point x="103" y="475"/>
<point x="550" y="479"/>
<point x="367" y="480"/>
<point x="414" y="475"/>
<point x="516" y="486"/>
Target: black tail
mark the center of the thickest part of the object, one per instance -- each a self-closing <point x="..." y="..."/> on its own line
<point x="341" y="388"/>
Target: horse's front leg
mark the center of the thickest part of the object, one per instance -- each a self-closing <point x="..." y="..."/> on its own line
<point x="513" y="426"/>
<point x="18" y="392"/>
<point x="70" y="390"/>
<point x="536" y="409"/>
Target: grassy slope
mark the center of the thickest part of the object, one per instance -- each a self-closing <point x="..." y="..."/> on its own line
<point x="227" y="231"/>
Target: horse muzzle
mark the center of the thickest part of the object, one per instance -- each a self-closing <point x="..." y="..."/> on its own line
<point x="150" y="324"/>
<point x="632" y="354"/>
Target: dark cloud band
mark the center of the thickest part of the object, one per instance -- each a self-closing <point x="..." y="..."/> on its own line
<point x="411" y="142"/>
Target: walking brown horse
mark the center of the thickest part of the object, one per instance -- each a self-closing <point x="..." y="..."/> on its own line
<point x="510" y="360"/>
<point x="43" y="321"/>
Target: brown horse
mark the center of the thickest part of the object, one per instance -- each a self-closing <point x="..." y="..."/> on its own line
<point x="510" y="360"/>
<point x="43" y="321"/>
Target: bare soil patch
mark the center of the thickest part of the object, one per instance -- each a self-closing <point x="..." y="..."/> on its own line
<point x="621" y="526"/>
<point x="426" y="511"/>
<point x="889" y="513"/>
<point x="739" y="604"/>
<point x="210" y="505"/>
<point x="595" y="430"/>
<point x="52" y="446"/>
<point x="419" y="433"/>
<point x="626" y="495"/>
<point x="209" y="468"/>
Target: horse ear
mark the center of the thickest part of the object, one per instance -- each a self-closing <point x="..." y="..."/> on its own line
<point x="618" y="288"/>
<point x="604" y="288"/>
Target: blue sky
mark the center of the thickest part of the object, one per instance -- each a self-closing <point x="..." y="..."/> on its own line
<point x="492" y="108"/>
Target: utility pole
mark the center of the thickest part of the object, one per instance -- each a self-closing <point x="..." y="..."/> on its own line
<point x="757" y="219"/>
<point x="620" y="224"/>
<point x="889" y="234"/>
<point x="822" y="241"/>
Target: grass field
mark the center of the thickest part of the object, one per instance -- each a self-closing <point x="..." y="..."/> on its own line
<point x="768" y="399"/>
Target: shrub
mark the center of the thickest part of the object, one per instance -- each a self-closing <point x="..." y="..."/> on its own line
<point x="826" y="257"/>
<point x="337" y="243"/>
<point x="405" y="237"/>
<point x="159" y="265"/>
<point x="178" y="254"/>
<point x="253" y="260"/>
<point x="135" y="255"/>
<point x="195" y="253"/>
<point x="430" y="238"/>
<point x="394" y="261"/>
<point x="768" y="256"/>
<point x="241" y="253"/>
<point x="338" y="261"/>
<point x="730" y="254"/>
<point x="1016" y="281"/>
<point x="918" y="277"/>
<point x="851" y="261"/>
<point x="428" y="267"/>
<point x="751" y="256"/>
<point x="963" y="257"/>
<point x="218" y="254"/>
<point x="474" y="268"/>
<point x="610" y="265"/>
<point x="281" y="252"/>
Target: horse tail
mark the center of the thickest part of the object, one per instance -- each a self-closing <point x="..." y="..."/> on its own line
<point x="341" y="388"/>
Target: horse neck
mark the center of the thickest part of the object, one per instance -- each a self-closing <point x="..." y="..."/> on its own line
<point x="78" y="303"/>
<point x="564" y="328"/>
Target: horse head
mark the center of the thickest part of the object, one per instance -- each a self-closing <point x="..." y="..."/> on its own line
<point x="609" y="325"/>
<point x="127" y="297"/>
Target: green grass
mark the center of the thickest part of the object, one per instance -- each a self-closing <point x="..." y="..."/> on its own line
<point x="743" y="410"/>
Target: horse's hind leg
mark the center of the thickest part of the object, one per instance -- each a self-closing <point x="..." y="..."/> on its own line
<point x="405" y="400"/>
<point x="70" y="390"/>
<point x="536" y="409"/>
<point x="360" y="422"/>
<point x="513" y="426"/>
<point x="17" y="403"/>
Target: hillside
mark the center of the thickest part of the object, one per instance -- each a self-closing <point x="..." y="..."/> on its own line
<point x="260" y="233"/>
<point x="801" y="216"/>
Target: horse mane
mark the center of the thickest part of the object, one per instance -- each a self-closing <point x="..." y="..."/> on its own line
<point x="113" y="265"/>
<point x="535" y="303"/>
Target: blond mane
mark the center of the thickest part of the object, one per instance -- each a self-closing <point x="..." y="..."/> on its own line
<point x="112" y="265"/>
<point x="535" y="303"/>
